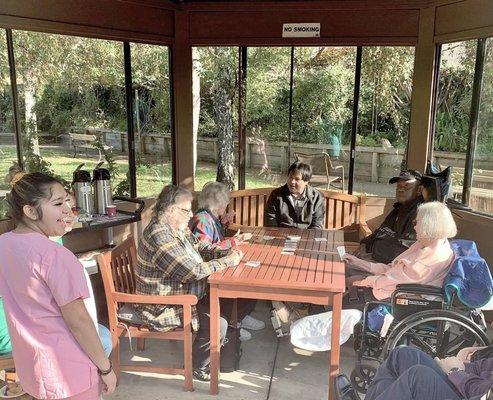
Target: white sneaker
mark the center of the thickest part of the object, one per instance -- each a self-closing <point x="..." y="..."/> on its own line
<point x="253" y="324"/>
<point x="245" y="335"/>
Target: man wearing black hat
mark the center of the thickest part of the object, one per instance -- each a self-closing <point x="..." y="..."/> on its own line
<point x="396" y="233"/>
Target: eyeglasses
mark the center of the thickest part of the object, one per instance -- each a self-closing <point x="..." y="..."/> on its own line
<point x="185" y="210"/>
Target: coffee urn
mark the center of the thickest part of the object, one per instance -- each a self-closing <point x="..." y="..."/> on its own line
<point x="102" y="190"/>
<point x="81" y="185"/>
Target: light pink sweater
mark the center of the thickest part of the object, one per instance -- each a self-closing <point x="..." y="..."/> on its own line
<point x="427" y="265"/>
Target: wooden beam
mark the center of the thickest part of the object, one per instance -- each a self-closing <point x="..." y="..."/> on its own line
<point x="421" y="103"/>
<point x="184" y="146"/>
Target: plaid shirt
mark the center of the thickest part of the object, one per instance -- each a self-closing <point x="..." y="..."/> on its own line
<point x="207" y="228"/>
<point x="172" y="263"/>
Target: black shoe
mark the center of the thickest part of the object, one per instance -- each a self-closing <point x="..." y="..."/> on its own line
<point x="203" y="375"/>
<point x="344" y="389"/>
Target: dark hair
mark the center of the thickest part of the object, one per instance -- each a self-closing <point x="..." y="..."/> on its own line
<point x="29" y="190"/>
<point x="169" y="196"/>
<point x="304" y="169"/>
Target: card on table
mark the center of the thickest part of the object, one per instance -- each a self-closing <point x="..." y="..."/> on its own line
<point x="341" y="250"/>
<point x="267" y="237"/>
<point x="253" y="264"/>
<point x="287" y="252"/>
<point x="294" y="238"/>
<point x="320" y="239"/>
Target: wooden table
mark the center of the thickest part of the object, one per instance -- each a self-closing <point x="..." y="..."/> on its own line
<point x="314" y="274"/>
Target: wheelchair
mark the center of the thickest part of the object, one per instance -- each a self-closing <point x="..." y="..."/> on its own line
<point x="424" y="317"/>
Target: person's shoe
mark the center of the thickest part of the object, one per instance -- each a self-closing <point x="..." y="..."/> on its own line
<point x="251" y="323"/>
<point x="344" y="389"/>
<point x="203" y="375"/>
<point x="245" y="335"/>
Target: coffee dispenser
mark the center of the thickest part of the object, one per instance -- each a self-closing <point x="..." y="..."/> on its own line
<point x="81" y="185"/>
<point x="102" y="189"/>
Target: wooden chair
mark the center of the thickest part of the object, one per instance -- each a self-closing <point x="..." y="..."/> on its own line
<point x="6" y="362"/>
<point x="117" y="270"/>
<point x="342" y="211"/>
<point x="322" y="167"/>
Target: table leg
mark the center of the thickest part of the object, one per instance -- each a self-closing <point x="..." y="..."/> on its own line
<point x="215" y="347"/>
<point x="334" y="342"/>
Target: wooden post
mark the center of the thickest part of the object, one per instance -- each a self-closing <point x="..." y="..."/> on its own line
<point x="374" y="167"/>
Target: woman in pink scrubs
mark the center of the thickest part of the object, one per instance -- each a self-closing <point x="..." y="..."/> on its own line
<point x="57" y="351"/>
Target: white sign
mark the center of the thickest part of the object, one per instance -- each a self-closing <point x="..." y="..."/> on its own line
<point x="301" y="30"/>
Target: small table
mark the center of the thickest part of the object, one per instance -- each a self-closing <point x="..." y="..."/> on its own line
<point x="313" y="274"/>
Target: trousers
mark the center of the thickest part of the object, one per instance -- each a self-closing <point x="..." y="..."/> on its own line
<point x="410" y="374"/>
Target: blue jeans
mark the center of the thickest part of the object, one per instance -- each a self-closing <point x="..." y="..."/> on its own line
<point x="410" y="374"/>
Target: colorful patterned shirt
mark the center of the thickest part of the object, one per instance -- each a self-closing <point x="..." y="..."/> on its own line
<point x="172" y="263"/>
<point x="208" y="229"/>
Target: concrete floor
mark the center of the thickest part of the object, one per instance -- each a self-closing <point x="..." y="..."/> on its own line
<point x="298" y="374"/>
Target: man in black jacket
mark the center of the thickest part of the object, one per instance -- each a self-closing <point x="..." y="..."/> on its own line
<point x="396" y="233"/>
<point x="296" y="204"/>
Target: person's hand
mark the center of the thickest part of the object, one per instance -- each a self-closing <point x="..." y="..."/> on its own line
<point x="465" y="354"/>
<point x="227" y="218"/>
<point x="243" y="237"/>
<point x="355" y="261"/>
<point x="109" y="382"/>
<point x="236" y="255"/>
<point x="447" y="364"/>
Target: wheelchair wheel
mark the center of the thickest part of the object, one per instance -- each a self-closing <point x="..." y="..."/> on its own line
<point x="439" y="333"/>
<point x="362" y="376"/>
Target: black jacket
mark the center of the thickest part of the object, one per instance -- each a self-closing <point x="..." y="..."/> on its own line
<point x="280" y="212"/>
<point x="396" y="233"/>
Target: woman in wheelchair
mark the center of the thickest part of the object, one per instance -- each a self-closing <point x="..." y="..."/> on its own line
<point x="425" y="262"/>
<point x="410" y="374"/>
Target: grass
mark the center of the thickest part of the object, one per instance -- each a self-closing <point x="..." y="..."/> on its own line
<point x="151" y="176"/>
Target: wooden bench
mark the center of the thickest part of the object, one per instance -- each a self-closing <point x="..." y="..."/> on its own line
<point x="86" y="141"/>
<point x="343" y="211"/>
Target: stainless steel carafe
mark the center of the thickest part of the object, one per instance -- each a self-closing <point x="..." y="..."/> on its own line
<point x="102" y="190"/>
<point x="81" y="185"/>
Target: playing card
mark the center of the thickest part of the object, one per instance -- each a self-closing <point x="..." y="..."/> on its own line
<point x="253" y="264"/>
<point x="320" y="239"/>
<point x="266" y="237"/>
<point x="287" y="252"/>
<point x="341" y="250"/>
<point x="293" y="238"/>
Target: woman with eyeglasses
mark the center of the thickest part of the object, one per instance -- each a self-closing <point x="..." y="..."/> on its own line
<point x="171" y="261"/>
<point x="425" y="262"/>
<point x="209" y="225"/>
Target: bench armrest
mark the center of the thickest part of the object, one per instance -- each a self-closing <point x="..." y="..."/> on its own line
<point x="364" y="231"/>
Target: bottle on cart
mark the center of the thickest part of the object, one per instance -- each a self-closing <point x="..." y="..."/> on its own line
<point x="102" y="189"/>
<point x="81" y="185"/>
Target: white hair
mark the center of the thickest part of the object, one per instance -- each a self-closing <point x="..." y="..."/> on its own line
<point x="437" y="221"/>
<point x="213" y="196"/>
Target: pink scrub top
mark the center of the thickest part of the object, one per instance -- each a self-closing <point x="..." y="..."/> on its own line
<point x="37" y="277"/>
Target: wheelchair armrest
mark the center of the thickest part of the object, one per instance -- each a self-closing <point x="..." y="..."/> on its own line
<point x="419" y="289"/>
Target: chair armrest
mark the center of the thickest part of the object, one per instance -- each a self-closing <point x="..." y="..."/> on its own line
<point x="418" y="289"/>
<point x="182" y="300"/>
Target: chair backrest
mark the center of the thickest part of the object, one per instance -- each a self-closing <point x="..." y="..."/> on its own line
<point x="317" y="161"/>
<point x="341" y="210"/>
<point x="117" y="271"/>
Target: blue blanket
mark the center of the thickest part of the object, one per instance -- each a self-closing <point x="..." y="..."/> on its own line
<point x="470" y="278"/>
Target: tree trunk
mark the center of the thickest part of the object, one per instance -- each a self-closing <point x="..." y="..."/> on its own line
<point x="223" y="112"/>
<point x="195" y="101"/>
<point x="31" y="120"/>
